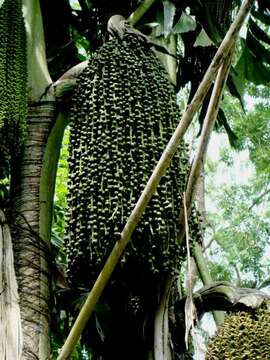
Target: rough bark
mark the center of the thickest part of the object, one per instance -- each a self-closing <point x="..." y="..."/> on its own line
<point x="31" y="252"/>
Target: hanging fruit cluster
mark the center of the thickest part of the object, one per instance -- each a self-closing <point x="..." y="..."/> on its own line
<point x="244" y="335"/>
<point x="123" y="114"/>
<point x="12" y="81"/>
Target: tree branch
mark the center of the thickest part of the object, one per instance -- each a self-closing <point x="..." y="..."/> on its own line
<point x="210" y="242"/>
<point x="256" y="201"/>
<point x="238" y="283"/>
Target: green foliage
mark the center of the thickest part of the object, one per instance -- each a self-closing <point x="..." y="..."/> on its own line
<point x="244" y="233"/>
<point x="203" y="39"/>
<point x="61" y="189"/>
<point x="185" y="24"/>
<point x="59" y="210"/>
<point x="255" y="130"/>
<point x="251" y="68"/>
<point x="220" y="270"/>
<point x="240" y="217"/>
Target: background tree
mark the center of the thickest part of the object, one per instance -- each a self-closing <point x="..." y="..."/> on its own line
<point x="242" y="203"/>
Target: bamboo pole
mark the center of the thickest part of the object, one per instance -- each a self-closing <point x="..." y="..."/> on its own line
<point x="153" y="182"/>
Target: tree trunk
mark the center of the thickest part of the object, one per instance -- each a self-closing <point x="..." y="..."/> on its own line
<point x="10" y="316"/>
<point x="31" y="252"/>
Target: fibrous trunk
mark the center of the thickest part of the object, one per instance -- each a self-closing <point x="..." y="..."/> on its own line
<point x="30" y="250"/>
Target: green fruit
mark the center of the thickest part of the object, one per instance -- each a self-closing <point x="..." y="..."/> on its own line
<point x="244" y="335"/>
<point x="13" y="78"/>
<point x="123" y="114"/>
